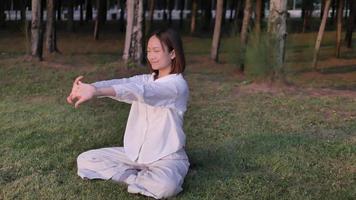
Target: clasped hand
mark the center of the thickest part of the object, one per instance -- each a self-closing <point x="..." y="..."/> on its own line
<point x="81" y="92"/>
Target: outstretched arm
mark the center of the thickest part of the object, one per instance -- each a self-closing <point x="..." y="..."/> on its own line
<point x="82" y="92"/>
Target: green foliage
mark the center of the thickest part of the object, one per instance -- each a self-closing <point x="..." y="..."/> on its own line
<point x="258" y="56"/>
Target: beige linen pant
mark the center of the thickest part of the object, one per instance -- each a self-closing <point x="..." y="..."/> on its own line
<point x="160" y="179"/>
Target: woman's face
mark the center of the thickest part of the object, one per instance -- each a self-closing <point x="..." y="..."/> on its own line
<point x="158" y="54"/>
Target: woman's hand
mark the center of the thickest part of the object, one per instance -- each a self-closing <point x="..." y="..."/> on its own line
<point x="81" y="92"/>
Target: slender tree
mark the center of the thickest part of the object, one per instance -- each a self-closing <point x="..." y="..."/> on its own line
<point x="340" y="11"/>
<point x="88" y="10"/>
<point x="59" y="10"/>
<point x="321" y="33"/>
<point x="217" y="31"/>
<point x="133" y="50"/>
<point x="193" y="16"/>
<point x="2" y="14"/>
<point x="100" y="17"/>
<point x="70" y="22"/>
<point x="207" y="14"/>
<point x="351" y="24"/>
<point x="170" y="9"/>
<point x="181" y="14"/>
<point x="23" y="10"/>
<point x="277" y="31"/>
<point x="81" y="11"/>
<point x="150" y="15"/>
<point x="244" y="32"/>
<point x="36" y="30"/>
<point x="258" y="16"/>
<point x="51" y="37"/>
<point x="122" y="14"/>
<point x="232" y="7"/>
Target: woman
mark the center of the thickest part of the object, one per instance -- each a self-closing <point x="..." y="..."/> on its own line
<point x="153" y="161"/>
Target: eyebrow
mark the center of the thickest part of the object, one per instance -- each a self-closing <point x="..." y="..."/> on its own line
<point x="153" y="47"/>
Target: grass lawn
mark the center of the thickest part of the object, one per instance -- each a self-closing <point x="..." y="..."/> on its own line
<point x="245" y="141"/>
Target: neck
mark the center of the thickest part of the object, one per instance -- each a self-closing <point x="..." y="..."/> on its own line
<point x="164" y="72"/>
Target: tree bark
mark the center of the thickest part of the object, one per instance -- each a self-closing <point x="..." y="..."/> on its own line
<point x="321" y="33"/>
<point x="151" y="15"/>
<point x="258" y="16"/>
<point x="244" y="32"/>
<point x="170" y="8"/>
<point x="193" y="17"/>
<point x="181" y="14"/>
<point x="277" y="31"/>
<point x="51" y="38"/>
<point x="217" y="31"/>
<point x="2" y="14"/>
<point x="36" y="30"/>
<point x="81" y="3"/>
<point x="207" y="14"/>
<point x="59" y="10"/>
<point x="339" y="27"/>
<point x="70" y="22"/>
<point x="322" y="8"/>
<point x="23" y="10"/>
<point x="232" y="7"/>
<point x="351" y="24"/>
<point x="133" y="50"/>
<point x="100" y="17"/>
<point x="122" y="15"/>
<point x="88" y="10"/>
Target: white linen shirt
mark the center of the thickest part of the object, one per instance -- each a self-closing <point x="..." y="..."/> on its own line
<point x="155" y="124"/>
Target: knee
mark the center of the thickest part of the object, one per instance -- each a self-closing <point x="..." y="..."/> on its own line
<point x="85" y="157"/>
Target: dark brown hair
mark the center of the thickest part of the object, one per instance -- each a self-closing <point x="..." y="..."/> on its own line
<point x="171" y="39"/>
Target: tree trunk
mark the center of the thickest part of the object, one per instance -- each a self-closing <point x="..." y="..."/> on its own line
<point x="321" y="33"/>
<point x="339" y="27"/>
<point x="232" y="7"/>
<point x="104" y="10"/>
<point x="277" y="31"/>
<point x="164" y="2"/>
<point x="181" y="20"/>
<point x="88" y="10"/>
<point x="122" y="15"/>
<point x="351" y="24"/>
<point x="238" y="16"/>
<point x="2" y="14"/>
<point x="322" y="8"/>
<point x="258" y="16"/>
<point x="59" y="10"/>
<point x="51" y="38"/>
<point x="133" y="50"/>
<point x="224" y="13"/>
<point x="151" y="13"/>
<point x="81" y="11"/>
<point x="217" y="31"/>
<point x="100" y="17"/>
<point x="23" y="10"/>
<point x="193" y="17"/>
<point x="170" y="8"/>
<point x="207" y="14"/>
<point x="308" y="8"/>
<point x="36" y="30"/>
<point x="70" y="22"/>
<point x="244" y="32"/>
<point x="334" y="2"/>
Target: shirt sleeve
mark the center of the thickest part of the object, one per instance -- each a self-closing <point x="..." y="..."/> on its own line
<point x="109" y="83"/>
<point x="154" y="94"/>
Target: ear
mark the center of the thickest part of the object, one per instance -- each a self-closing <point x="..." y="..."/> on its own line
<point x="172" y="54"/>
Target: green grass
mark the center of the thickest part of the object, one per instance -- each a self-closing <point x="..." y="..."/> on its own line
<point x="242" y="144"/>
